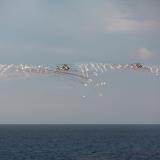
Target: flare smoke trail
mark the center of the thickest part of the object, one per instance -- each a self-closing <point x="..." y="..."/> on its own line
<point x="84" y="72"/>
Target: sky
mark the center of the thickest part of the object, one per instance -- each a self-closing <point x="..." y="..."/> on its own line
<point x="52" y="32"/>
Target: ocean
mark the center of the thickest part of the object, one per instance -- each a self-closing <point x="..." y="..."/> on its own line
<point x="79" y="142"/>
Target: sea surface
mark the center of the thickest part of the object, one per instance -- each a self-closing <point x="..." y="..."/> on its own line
<point x="79" y="142"/>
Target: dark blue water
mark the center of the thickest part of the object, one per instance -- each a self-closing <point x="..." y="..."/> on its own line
<point x="79" y="142"/>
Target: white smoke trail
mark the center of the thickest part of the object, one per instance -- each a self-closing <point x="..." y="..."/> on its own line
<point x="84" y="72"/>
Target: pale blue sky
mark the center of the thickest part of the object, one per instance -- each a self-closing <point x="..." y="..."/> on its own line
<point x="54" y="32"/>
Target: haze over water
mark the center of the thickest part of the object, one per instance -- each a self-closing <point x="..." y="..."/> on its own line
<point x="51" y="33"/>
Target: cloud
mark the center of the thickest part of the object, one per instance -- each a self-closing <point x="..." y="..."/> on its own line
<point x="130" y="17"/>
<point x="135" y="17"/>
<point x="122" y="24"/>
<point x="34" y="17"/>
<point x="144" y="53"/>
